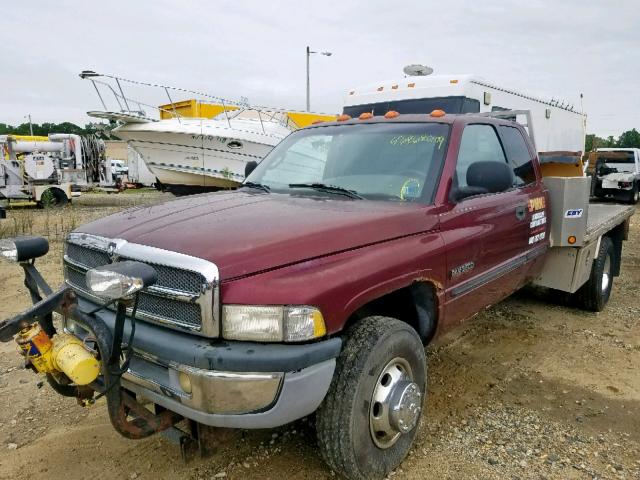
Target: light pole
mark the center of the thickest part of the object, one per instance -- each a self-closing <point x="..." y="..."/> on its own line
<point x="30" y="124"/>
<point x="309" y="52"/>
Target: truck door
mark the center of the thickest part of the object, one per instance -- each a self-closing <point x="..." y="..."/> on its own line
<point x="487" y="236"/>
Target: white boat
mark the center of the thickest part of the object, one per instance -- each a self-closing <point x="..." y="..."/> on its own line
<point x="195" y="154"/>
<point x="189" y="154"/>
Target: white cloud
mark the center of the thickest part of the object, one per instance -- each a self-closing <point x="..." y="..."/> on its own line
<point x="256" y="49"/>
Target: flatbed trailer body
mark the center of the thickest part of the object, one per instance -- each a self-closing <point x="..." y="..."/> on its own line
<point x="567" y="268"/>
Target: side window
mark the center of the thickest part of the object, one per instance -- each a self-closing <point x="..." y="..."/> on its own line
<point x="518" y="156"/>
<point x="479" y="143"/>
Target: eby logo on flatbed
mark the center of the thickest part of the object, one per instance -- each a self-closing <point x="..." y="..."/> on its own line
<point x="574" y="213"/>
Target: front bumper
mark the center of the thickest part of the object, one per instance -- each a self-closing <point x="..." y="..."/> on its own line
<point x="233" y="384"/>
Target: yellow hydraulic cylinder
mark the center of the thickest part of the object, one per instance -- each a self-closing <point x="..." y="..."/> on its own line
<point x="63" y="353"/>
<point x="71" y="357"/>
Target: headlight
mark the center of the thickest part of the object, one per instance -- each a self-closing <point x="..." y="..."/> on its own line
<point x="275" y="323"/>
<point x="121" y="279"/>
<point x="21" y="249"/>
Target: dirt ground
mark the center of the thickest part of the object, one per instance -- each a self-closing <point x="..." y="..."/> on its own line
<point x="527" y="389"/>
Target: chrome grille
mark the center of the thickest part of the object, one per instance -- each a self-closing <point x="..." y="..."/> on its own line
<point x="182" y="313"/>
<point x="176" y="279"/>
<point x="184" y="297"/>
<point x="87" y="257"/>
<point x="75" y="278"/>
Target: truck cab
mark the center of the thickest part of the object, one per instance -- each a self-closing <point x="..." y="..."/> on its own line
<point x="315" y="286"/>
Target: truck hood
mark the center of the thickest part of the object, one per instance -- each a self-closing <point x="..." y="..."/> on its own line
<point x="245" y="232"/>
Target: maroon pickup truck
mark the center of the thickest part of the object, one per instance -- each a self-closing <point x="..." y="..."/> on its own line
<point x="315" y="286"/>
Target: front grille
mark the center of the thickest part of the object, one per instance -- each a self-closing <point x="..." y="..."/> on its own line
<point x="171" y="311"/>
<point x="181" y="298"/>
<point x="176" y="279"/>
<point x="87" y="257"/>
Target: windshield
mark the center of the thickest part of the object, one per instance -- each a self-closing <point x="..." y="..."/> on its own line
<point x="616" y="157"/>
<point x="378" y="161"/>
<point x="417" y="105"/>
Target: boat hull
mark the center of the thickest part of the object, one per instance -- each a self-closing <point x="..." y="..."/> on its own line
<point x="205" y="155"/>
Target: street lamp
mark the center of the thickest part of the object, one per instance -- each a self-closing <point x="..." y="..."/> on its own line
<point x="309" y="52"/>
<point x="30" y="124"/>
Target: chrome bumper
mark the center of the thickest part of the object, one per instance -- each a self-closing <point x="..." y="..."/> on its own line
<point x="297" y="394"/>
<point x="230" y="384"/>
<point x="206" y="390"/>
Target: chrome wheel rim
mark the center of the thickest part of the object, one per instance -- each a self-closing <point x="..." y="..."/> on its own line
<point x="606" y="274"/>
<point x="395" y="404"/>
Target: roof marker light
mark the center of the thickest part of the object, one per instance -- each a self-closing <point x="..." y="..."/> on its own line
<point x="352" y="92"/>
<point x="453" y="81"/>
<point x="411" y="85"/>
<point x="343" y="118"/>
<point x="391" y="114"/>
<point x="380" y="89"/>
<point x="365" y="116"/>
<point x="394" y="87"/>
<point x="438" y="113"/>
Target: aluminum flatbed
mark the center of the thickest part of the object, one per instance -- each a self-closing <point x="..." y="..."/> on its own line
<point x="603" y="217"/>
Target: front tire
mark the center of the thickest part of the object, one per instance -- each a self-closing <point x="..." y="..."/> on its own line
<point x="594" y="294"/>
<point x="370" y="416"/>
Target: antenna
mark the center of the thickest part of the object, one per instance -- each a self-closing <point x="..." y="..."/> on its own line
<point x="416" y="70"/>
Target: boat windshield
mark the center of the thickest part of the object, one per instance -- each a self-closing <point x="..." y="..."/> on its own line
<point x="376" y="161"/>
<point x="417" y="105"/>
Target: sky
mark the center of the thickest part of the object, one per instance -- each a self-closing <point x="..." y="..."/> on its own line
<point x="256" y="49"/>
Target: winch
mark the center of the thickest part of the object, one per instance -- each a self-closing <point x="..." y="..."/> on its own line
<point x="89" y="367"/>
<point x="63" y="353"/>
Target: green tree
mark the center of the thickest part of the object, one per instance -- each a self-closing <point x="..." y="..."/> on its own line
<point x="629" y="139"/>
<point x="45" y="129"/>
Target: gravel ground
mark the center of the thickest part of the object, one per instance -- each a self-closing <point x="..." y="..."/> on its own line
<point x="526" y="390"/>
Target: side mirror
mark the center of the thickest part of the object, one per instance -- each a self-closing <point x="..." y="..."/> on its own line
<point x="249" y="167"/>
<point x="485" y="177"/>
<point x="494" y="176"/>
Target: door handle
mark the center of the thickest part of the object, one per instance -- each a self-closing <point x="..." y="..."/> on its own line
<point x="521" y="212"/>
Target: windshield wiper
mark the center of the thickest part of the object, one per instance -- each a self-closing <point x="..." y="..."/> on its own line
<point x="321" y="187"/>
<point x="257" y="186"/>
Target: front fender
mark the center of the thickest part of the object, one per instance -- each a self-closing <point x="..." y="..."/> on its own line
<point x="340" y="284"/>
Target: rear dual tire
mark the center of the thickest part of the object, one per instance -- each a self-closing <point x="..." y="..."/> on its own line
<point x="594" y="294"/>
<point x="370" y="416"/>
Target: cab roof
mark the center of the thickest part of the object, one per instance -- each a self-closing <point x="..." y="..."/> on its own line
<point x="418" y="118"/>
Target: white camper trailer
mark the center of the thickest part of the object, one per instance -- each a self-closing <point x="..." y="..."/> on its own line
<point x="558" y="127"/>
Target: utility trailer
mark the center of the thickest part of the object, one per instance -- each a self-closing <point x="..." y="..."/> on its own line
<point x="30" y="171"/>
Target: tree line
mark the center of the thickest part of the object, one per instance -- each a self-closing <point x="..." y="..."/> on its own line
<point x="628" y="139"/>
<point x="46" y="128"/>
